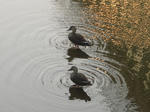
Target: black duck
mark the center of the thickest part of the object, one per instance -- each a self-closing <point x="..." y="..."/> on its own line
<point x="77" y="39"/>
<point x="78" y="78"/>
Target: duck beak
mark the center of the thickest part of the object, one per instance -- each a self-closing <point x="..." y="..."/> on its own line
<point x="70" y="69"/>
<point x="69" y="29"/>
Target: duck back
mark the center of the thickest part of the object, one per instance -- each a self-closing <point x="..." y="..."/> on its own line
<point x="79" y="79"/>
<point x="78" y="39"/>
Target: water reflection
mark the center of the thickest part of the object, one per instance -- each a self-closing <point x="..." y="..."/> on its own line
<point x="126" y="23"/>
<point x="76" y="53"/>
<point x="36" y="74"/>
<point x="78" y="93"/>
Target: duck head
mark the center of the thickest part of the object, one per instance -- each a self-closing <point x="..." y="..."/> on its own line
<point x="73" y="68"/>
<point x="73" y="28"/>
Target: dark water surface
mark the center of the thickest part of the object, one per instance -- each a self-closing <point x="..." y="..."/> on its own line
<point x="36" y="54"/>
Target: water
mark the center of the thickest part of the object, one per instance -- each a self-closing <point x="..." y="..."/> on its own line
<point x="36" y="55"/>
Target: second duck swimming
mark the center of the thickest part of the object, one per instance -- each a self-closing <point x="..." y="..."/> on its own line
<point x="78" y="78"/>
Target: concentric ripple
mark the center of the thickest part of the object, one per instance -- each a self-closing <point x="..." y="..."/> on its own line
<point x="33" y="65"/>
<point x="108" y="84"/>
<point x="60" y="40"/>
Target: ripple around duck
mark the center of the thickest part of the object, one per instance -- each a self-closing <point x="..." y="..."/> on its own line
<point x="37" y="79"/>
<point x="44" y="78"/>
<point x="60" y="39"/>
<point x="40" y="79"/>
<point x="72" y="16"/>
<point x="108" y="84"/>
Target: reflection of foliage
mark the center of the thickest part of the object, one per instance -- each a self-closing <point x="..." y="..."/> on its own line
<point x="126" y="25"/>
<point x="126" y="19"/>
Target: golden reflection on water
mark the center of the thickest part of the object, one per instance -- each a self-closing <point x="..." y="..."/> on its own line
<point x="126" y="23"/>
<point x="127" y="20"/>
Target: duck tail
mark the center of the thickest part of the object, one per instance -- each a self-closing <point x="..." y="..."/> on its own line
<point x="91" y="42"/>
<point x="87" y="43"/>
<point x="88" y="83"/>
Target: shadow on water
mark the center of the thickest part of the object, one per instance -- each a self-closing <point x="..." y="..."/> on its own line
<point x="76" y="53"/>
<point x="78" y="93"/>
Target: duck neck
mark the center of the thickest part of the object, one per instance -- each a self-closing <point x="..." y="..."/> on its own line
<point x="74" y="31"/>
<point x="75" y="71"/>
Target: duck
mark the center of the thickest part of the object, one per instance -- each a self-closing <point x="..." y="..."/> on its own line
<point x="77" y="39"/>
<point x="78" y="78"/>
